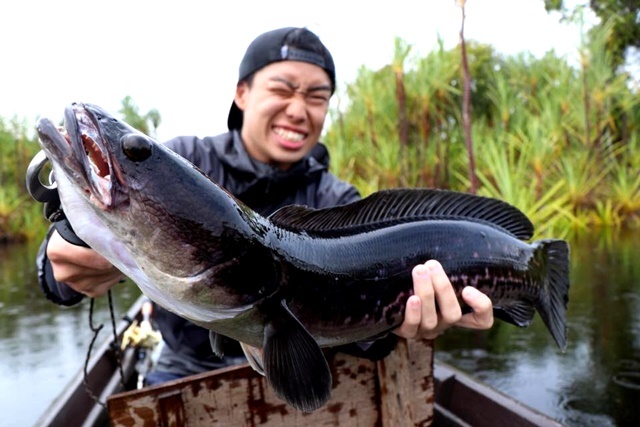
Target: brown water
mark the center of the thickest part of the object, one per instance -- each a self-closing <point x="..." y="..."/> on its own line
<point x="596" y="382"/>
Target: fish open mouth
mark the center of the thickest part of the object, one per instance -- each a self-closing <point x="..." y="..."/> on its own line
<point x="85" y="151"/>
<point x="95" y="154"/>
<point x="89" y="149"/>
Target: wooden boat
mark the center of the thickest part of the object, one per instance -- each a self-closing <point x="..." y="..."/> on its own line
<point x="391" y="392"/>
<point x="74" y="406"/>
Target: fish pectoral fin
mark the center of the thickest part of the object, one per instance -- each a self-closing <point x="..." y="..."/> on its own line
<point x="294" y="363"/>
<point x="254" y="357"/>
<point x="519" y="313"/>
<point x="215" y="339"/>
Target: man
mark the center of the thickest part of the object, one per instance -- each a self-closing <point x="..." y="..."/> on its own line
<point x="270" y="158"/>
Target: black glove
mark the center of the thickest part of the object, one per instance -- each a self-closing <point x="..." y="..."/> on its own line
<point x="48" y="194"/>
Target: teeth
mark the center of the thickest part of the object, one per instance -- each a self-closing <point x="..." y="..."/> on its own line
<point x="289" y="135"/>
<point x="95" y="168"/>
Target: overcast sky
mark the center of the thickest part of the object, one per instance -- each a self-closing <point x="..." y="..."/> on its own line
<point x="182" y="57"/>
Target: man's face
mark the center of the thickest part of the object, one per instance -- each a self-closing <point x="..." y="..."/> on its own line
<point x="283" y="111"/>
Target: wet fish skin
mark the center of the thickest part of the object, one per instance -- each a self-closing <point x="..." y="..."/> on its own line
<point x="301" y="279"/>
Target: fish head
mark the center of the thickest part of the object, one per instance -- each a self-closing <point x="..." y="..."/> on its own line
<point x="148" y="210"/>
<point x="96" y="151"/>
<point x="119" y="177"/>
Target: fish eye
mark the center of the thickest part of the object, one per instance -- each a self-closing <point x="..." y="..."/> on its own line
<point x="136" y="147"/>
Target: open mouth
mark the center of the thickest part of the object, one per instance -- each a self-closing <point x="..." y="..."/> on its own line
<point x="96" y="156"/>
<point x="289" y="139"/>
<point x="89" y="150"/>
<point x="84" y="150"/>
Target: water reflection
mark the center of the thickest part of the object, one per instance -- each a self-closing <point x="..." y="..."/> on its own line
<point x="596" y="382"/>
<point x="41" y="344"/>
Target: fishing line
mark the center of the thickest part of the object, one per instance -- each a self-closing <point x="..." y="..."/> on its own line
<point x="115" y="347"/>
<point x="96" y="331"/>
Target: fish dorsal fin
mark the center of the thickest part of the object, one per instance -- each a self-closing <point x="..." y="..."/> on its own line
<point x="293" y="362"/>
<point x="388" y="207"/>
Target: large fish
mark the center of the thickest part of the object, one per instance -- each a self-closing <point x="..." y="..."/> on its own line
<point x="301" y="279"/>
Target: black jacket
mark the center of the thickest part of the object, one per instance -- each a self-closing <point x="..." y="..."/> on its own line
<point x="264" y="189"/>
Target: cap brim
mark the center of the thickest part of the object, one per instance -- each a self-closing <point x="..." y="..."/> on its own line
<point x="234" y="121"/>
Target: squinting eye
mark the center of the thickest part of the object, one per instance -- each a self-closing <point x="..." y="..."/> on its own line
<point x="136" y="147"/>
<point x="284" y="92"/>
<point x="318" y="100"/>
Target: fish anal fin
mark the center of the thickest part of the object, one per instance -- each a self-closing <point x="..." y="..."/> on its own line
<point x="294" y="363"/>
<point x="254" y="357"/>
<point x="519" y="313"/>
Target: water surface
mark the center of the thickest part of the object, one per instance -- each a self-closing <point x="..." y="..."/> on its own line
<point x="596" y="382"/>
<point x="42" y="345"/>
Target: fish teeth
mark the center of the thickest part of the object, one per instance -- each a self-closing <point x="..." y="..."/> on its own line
<point x="95" y="155"/>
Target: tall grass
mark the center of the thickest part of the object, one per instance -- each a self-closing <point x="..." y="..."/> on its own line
<point x="20" y="217"/>
<point x="558" y="141"/>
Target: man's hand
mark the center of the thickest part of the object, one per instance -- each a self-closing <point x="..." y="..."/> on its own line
<point x="432" y="289"/>
<point x="83" y="269"/>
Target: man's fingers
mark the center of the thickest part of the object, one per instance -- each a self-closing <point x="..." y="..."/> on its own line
<point x="421" y="314"/>
<point x="482" y="315"/>
<point x="434" y="306"/>
<point x="63" y="252"/>
<point x="412" y="315"/>
<point x="423" y="287"/>
<point x="445" y="295"/>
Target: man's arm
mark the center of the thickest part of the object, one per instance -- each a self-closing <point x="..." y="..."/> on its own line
<point x="56" y="292"/>
<point x="68" y="272"/>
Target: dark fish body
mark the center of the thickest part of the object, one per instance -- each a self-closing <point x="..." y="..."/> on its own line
<point x="367" y="295"/>
<point x="300" y="279"/>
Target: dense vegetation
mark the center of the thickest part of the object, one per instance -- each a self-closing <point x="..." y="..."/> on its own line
<point x="559" y="141"/>
<point x="19" y="217"/>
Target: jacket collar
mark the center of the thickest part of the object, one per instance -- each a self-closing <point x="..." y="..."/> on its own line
<point x="234" y="156"/>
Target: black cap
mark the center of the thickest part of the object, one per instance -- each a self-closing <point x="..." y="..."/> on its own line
<point x="271" y="47"/>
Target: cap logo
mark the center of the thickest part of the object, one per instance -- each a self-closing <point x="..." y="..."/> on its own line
<point x="295" y="54"/>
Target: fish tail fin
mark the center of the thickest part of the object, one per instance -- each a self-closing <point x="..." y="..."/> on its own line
<point x="552" y="302"/>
